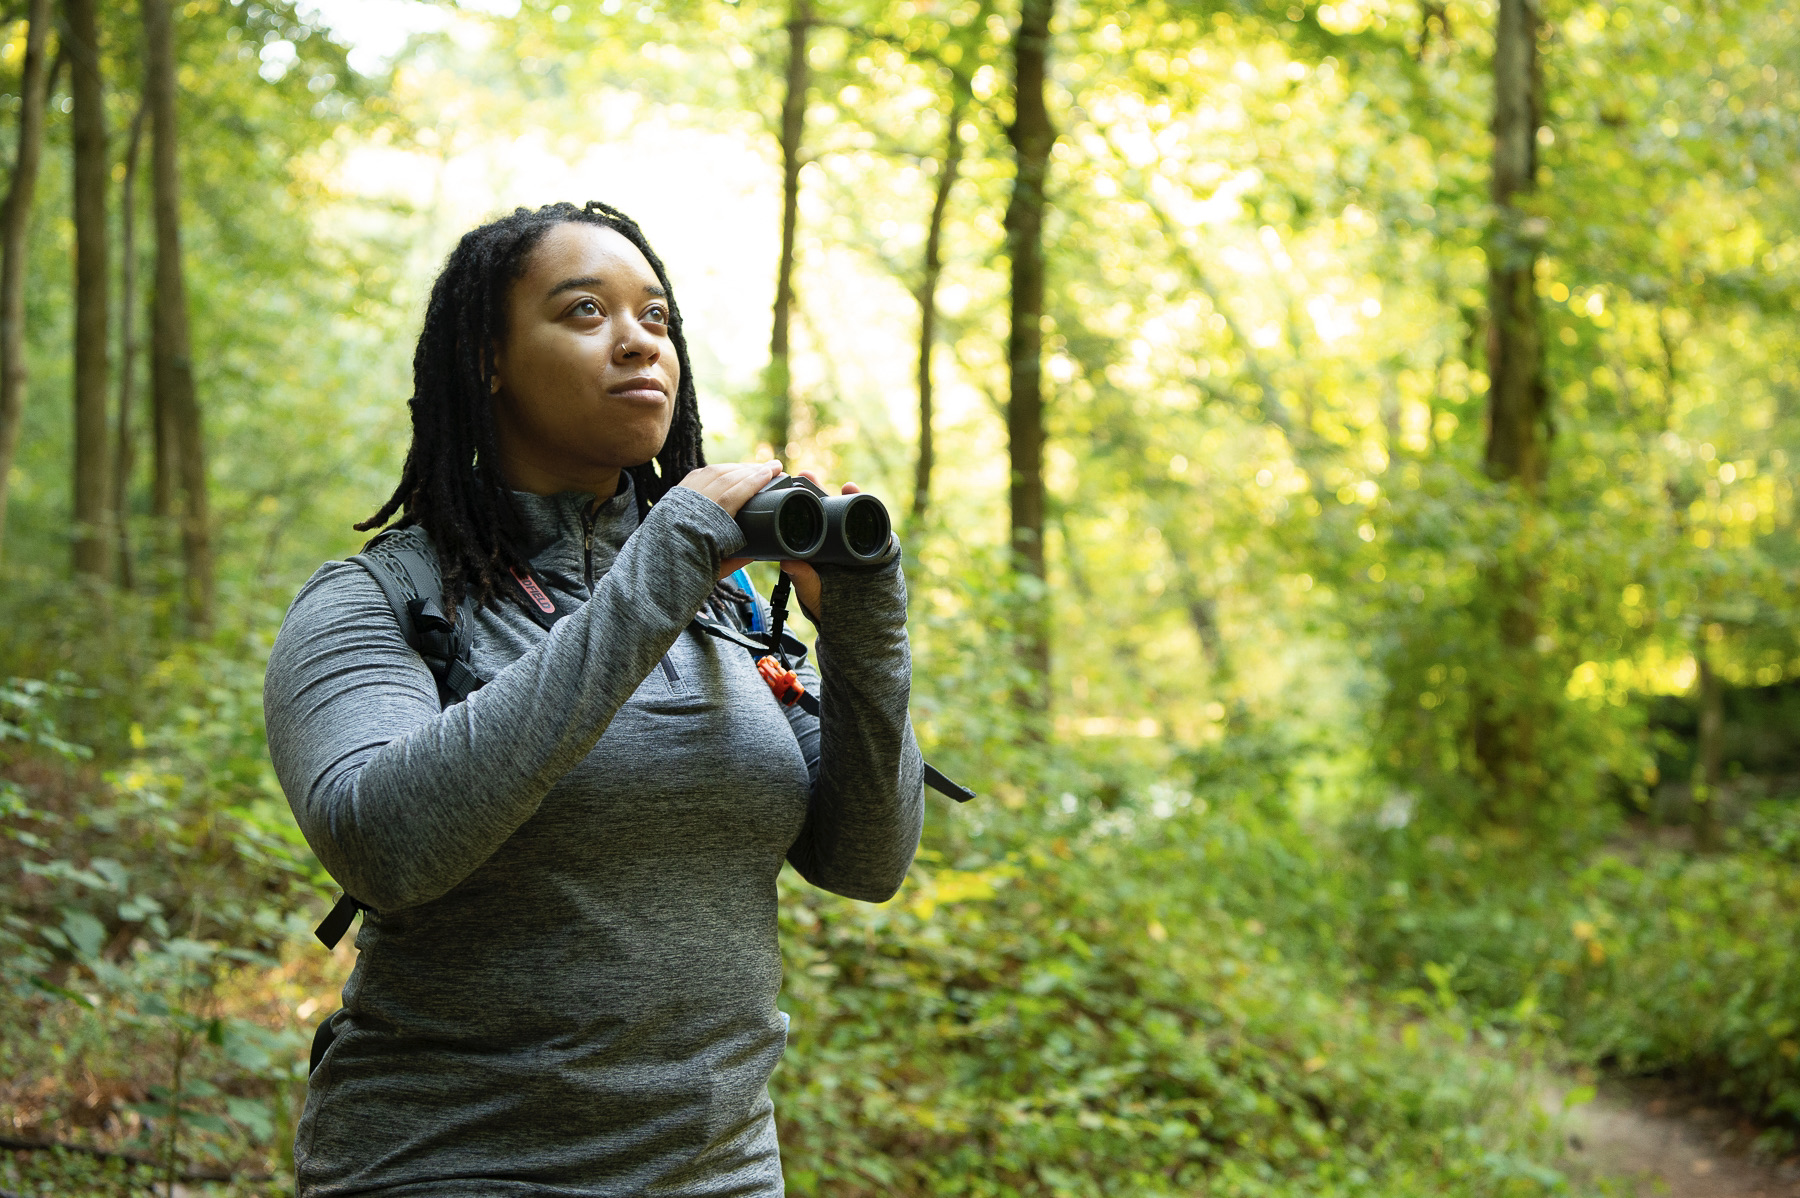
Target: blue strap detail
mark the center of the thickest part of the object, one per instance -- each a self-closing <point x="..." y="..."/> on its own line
<point x="741" y="579"/>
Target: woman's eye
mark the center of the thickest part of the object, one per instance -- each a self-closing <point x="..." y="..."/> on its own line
<point x="657" y="314"/>
<point x="586" y="308"/>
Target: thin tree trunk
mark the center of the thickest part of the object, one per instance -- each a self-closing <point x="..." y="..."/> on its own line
<point x="1711" y="747"/>
<point x="1507" y="716"/>
<point x="172" y="369"/>
<point x="1517" y="447"/>
<point x="124" y="446"/>
<point x="1032" y="136"/>
<point x="1201" y="604"/>
<point x="15" y="222"/>
<point x="793" y="135"/>
<point x="928" y="285"/>
<point x="164" y="466"/>
<point x="93" y="169"/>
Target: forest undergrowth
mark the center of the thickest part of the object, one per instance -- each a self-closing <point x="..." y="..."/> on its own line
<point x="1112" y="977"/>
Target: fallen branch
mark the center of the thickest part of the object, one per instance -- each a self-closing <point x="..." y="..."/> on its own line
<point x="188" y="1173"/>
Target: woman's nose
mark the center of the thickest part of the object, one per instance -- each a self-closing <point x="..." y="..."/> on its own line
<point x="634" y="343"/>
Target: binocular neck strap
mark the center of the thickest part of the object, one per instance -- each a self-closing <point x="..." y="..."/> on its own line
<point x="785" y="685"/>
<point x="778" y="614"/>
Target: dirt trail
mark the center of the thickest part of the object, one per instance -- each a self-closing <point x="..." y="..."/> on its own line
<point x="1670" y="1143"/>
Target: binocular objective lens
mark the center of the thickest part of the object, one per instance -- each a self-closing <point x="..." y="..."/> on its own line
<point x="800" y="523"/>
<point x="865" y="529"/>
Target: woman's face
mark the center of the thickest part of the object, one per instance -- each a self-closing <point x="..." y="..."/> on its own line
<point x="585" y="377"/>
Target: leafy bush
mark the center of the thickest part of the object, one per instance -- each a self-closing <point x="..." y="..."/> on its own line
<point x="152" y="895"/>
<point x="1650" y="960"/>
<point x="1146" y="999"/>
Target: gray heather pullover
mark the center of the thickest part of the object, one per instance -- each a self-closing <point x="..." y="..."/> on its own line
<point x="568" y="984"/>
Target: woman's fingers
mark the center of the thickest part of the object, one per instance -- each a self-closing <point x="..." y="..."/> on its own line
<point x="806" y="586"/>
<point x="746" y="482"/>
<point x="731" y="486"/>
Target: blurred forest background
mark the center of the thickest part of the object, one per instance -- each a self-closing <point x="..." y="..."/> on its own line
<point x="1346" y="458"/>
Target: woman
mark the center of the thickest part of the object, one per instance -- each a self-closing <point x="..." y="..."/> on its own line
<point x="567" y="981"/>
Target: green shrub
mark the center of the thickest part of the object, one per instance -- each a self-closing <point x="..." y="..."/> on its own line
<point x="1147" y="999"/>
<point x="141" y="886"/>
<point x="1650" y="960"/>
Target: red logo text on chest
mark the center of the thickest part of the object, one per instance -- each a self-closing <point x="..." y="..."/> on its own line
<point x="529" y="585"/>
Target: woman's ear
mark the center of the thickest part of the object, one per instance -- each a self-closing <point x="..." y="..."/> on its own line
<point x="494" y="370"/>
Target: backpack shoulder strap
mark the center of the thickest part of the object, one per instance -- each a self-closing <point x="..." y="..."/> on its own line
<point x="407" y="572"/>
<point x="382" y="558"/>
<point x="391" y="587"/>
<point x="750" y="610"/>
<point x="402" y="564"/>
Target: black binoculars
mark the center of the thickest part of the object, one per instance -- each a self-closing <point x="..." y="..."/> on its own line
<point x="794" y="519"/>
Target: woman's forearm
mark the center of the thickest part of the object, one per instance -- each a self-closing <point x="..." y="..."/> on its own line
<point x="400" y="800"/>
<point x="867" y="808"/>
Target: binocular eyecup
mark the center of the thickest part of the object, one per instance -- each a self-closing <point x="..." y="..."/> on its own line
<point x="794" y="519"/>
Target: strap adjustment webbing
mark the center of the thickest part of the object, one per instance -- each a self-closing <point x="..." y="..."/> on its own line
<point x="332" y="928"/>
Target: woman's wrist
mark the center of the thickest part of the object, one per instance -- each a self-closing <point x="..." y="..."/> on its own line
<point x="701" y="520"/>
<point x="855" y="599"/>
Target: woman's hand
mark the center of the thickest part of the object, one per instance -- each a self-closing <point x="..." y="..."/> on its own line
<point x="732" y="491"/>
<point x="806" y="579"/>
<point x="731" y="486"/>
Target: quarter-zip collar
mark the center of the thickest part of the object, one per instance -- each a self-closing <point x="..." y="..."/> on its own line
<point x="572" y="536"/>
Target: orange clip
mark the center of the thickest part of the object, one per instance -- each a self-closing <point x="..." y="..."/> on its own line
<point x="783" y="681"/>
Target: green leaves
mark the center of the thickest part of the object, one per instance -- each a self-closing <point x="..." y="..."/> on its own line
<point x="25" y="707"/>
<point x="82" y="933"/>
<point x="1151" y="1006"/>
<point x="1657" y="962"/>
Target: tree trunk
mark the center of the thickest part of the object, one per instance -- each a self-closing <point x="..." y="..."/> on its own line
<point x="163" y="464"/>
<point x="124" y="446"/>
<point x="92" y="178"/>
<point x="928" y="285"/>
<point x="172" y="370"/>
<point x="1711" y="749"/>
<point x="15" y="221"/>
<point x="1032" y="136"/>
<point x="165" y="467"/>
<point x="1507" y="715"/>
<point x="793" y="133"/>
<point x="1517" y="445"/>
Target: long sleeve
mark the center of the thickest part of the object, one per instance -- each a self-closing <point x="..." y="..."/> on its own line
<point x="400" y="800"/>
<point x="868" y="806"/>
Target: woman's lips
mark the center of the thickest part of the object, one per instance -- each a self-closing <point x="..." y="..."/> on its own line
<point x="641" y="390"/>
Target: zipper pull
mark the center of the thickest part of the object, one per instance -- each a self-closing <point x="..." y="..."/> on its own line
<point x="588" y="520"/>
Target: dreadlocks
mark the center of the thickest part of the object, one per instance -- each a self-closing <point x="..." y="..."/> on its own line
<point x="451" y="485"/>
